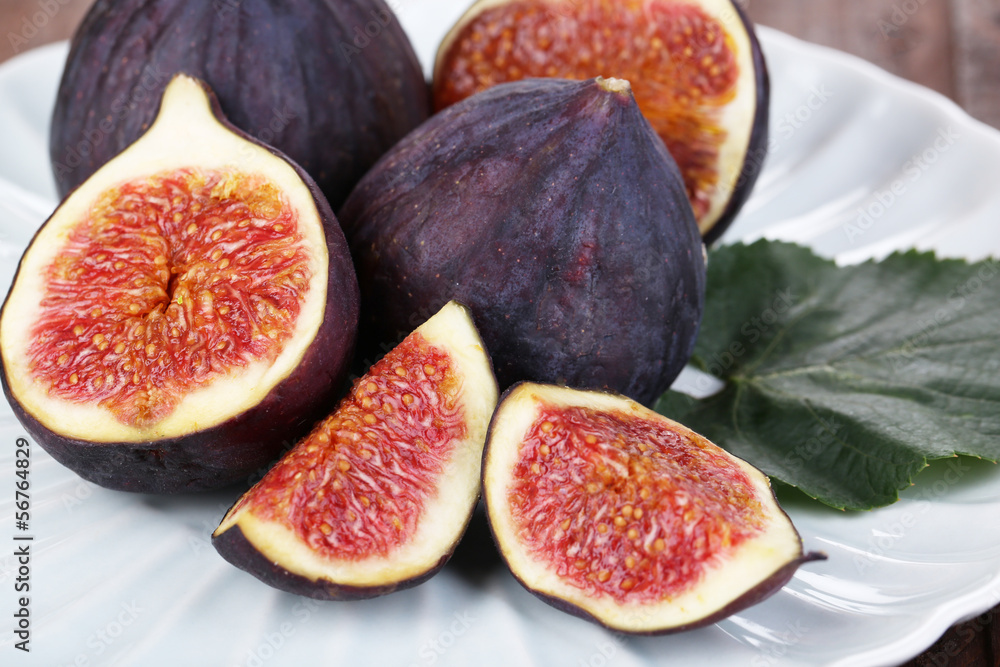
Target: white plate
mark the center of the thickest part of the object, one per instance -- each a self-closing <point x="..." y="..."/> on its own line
<point x="118" y="579"/>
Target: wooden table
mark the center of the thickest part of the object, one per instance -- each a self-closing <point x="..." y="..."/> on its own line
<point x="952" y="46"/>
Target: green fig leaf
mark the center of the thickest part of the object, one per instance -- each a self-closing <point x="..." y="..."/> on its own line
<point x="845" y="381"/>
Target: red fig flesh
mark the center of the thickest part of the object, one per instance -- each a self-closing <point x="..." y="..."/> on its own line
<point x="377" y="496"/>
<point x="614" y="513"/>
<point x="696" y="67"/>
<point x="184" y="311"/>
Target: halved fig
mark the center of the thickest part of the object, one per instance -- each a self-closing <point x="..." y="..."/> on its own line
<point x="377" y="496"/>
<point x="552" y="209"/>
<point x="184" y="312"/>
<point x="696" y="67"/>
<point x="614" y="513"/>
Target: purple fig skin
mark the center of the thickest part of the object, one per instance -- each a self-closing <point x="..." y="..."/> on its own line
<point x="753" y="596"/>
<point x="753" y="162"/>
<point x="235" y="548"/>
<point x="554" y="211"/>
<point x="289" y="72"/>
<point x="239" y="447"/>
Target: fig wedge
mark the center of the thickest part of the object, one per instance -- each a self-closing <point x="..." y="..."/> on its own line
<point x="184" y="312"/>
<point x="696" y="66"/>
<point x="614" y="513"/>
<point x="377" y="496"/>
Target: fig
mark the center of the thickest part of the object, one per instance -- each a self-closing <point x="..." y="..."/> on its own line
<point x="181" y="313"/>
<point x="331" y="83"/>
<point x="377" y="496"/>
<point x="552" y="210"/>
<point x="614" y="513"/>
<point x="696" y="65"/>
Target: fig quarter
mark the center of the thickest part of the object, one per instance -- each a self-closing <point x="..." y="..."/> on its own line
<point x="614" y="513"/>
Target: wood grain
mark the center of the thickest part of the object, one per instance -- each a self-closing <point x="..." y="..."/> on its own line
<point x="910" y="38"/>
<point x="27" y="24"/>
<point x="977" y="57"/>
<point x="951" y="46"/>
<point x="975" y="643"/>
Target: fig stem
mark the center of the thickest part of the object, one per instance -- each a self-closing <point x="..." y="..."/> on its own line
<point x="612" y="85"/>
